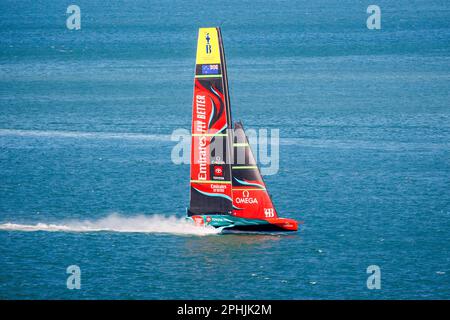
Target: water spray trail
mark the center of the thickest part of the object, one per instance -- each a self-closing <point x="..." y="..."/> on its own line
<point x="118" y="223"/>
<point x="84" y="135"/>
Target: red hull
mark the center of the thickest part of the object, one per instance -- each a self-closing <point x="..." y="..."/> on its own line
<point x="284" y="223"/>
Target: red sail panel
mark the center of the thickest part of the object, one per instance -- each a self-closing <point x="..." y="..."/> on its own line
<point x="250" y="197"/>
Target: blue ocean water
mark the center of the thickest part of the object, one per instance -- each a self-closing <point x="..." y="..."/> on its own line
<point x="85" y="124"/>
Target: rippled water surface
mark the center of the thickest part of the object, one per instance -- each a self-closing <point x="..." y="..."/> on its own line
<point x="86" y="176"/>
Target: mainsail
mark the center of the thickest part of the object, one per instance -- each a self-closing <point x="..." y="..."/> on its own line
<point x="210" y="151"/>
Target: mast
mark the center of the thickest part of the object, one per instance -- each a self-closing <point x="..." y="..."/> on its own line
<point x="225" y="76"/>
<point x="210" y="185"/>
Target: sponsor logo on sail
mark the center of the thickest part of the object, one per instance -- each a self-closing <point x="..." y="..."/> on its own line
<point x="246" y="198"/>
<point x="218" y="171"/>
<point x="208" y="44"/>
<point x="269" y="212"/>
<point x="219" y="188"/>
<point x="202" y="159"/>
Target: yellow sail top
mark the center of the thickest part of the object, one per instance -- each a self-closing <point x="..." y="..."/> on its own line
<point x="208" y="51"/>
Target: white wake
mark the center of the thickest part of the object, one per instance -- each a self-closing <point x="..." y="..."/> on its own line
<point x="119" y="223"/>
<point x="84" y="135"/>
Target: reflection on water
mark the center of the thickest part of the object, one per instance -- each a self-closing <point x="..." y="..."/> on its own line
<point x="256" y="253"/>
<point x="235" y="242"/>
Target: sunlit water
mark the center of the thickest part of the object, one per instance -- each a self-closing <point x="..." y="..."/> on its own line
<point x="86" y="176"/>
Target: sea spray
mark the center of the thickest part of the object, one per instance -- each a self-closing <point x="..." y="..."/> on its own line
<point x="119" y="223"/>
